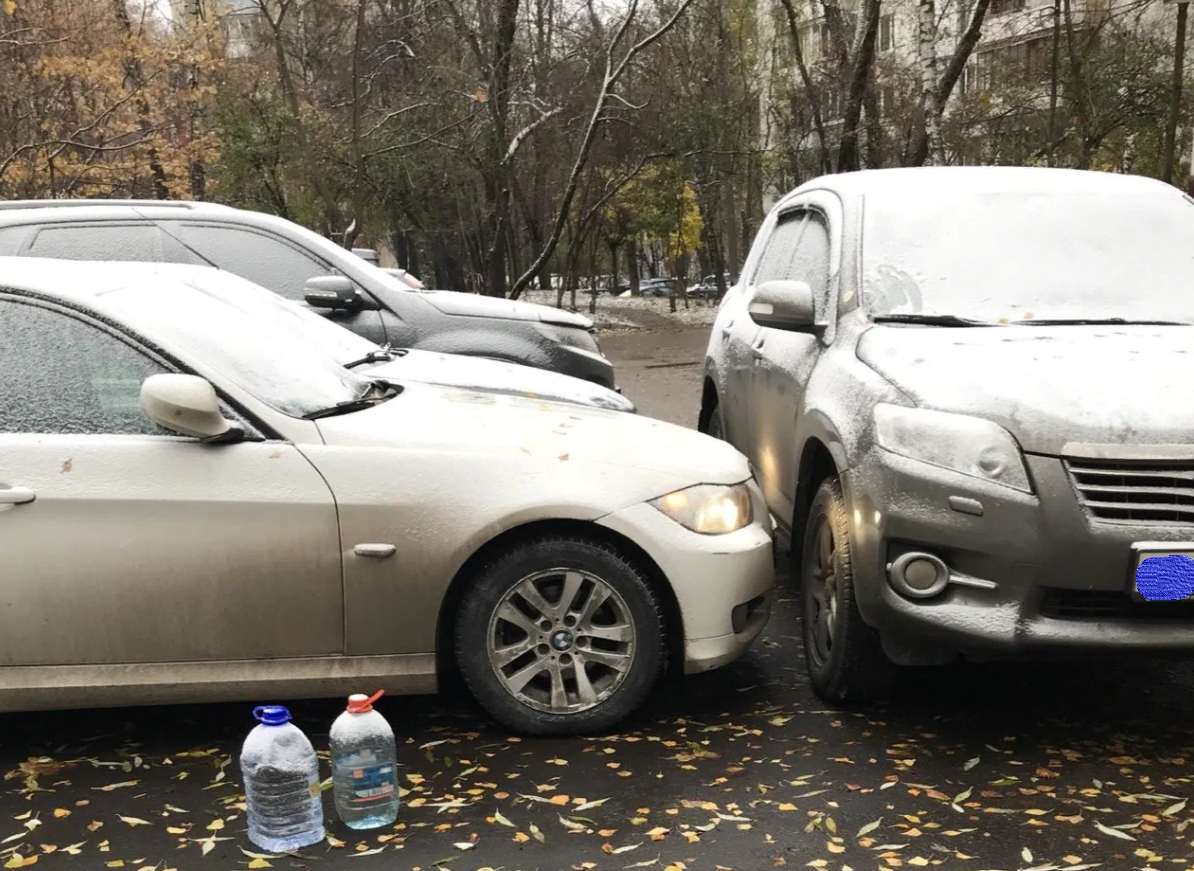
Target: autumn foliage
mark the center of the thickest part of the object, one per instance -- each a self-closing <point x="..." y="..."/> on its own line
<point x="100" y="98"/>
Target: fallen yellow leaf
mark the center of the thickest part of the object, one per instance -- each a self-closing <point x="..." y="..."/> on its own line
<point x="60" y="812"/>
<point x="215" y="825"/>
<point x="786" y="806"/>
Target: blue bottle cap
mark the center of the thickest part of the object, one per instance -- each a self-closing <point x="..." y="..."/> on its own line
<point x="272" y="715"/>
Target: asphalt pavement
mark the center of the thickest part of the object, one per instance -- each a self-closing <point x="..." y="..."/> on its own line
<point x="1000" y="766"/>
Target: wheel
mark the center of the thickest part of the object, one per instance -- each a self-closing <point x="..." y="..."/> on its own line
<point x="715" y="427"/>
<point x="844" y="655"/>
<point x="560" y="635"/>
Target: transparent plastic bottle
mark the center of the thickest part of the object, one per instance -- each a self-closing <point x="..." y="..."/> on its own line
<point x="364" y="765"/>
<point x="281" y="778"/>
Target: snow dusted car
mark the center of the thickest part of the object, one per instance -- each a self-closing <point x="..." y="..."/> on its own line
<point x="968" y="395"/>
<point x="199" y="503"/>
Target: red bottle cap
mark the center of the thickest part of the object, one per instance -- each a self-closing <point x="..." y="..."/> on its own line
<point x="360" y="703"/>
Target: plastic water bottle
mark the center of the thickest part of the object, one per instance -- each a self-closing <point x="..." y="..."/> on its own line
<point x="364" y="765"/>
<point x="281" y="778"/>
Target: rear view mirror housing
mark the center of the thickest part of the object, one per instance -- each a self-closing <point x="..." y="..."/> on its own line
<point x="188" y="405"/>
<point x="331" y="291"/>
<point x="783" y="305"/>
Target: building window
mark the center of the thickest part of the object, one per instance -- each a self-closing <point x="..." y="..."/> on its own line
<point x="887" y="32"/>
<point x="1003" y="7"/>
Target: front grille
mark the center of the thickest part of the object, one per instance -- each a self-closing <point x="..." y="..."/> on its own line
<point x="1111" y="605"/>
<point x="1147" y="494"/>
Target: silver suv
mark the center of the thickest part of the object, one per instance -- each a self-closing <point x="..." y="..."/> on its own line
<point x="310" y="270"/>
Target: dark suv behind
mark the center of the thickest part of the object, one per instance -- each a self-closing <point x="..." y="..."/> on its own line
<point x="309" y="270"/>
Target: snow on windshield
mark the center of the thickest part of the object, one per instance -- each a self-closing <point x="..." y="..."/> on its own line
<point x="273" y="351"/>
<point x="1016" y="256"/>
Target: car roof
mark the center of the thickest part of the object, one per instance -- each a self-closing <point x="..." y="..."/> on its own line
<point x="82" y="282"/>
<point x="190" y="205"/>
<point x="914" y="182"/>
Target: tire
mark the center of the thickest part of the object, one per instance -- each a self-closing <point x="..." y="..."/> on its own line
<point x="844" y="655"/>
<point x="500" y="643"/>
<point x="715" y="427"/>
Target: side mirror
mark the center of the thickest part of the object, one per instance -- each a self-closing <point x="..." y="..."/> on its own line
<point x="186" y="404"/>
<point x="331" y="291"/>
<point x="782" y="305"/>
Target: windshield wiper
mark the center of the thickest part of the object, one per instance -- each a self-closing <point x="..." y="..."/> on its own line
<point x="930" y="320"/>
<point x="379" y="391"/>
<point x="382" y="355"/>
<point x="1066" y="322"/>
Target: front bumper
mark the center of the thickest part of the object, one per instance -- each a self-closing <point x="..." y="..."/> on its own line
<point x="722" y="583"/>
<point x="1057" y="579"/>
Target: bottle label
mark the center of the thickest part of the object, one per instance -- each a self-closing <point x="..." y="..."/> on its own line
<point x="372" y="783"/>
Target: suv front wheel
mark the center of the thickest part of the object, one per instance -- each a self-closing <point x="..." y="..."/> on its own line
<point x="844" y="655"/>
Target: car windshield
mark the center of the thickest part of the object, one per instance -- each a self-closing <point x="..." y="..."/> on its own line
<point x="273" y="351"/>
<point x="1011" y="257"/>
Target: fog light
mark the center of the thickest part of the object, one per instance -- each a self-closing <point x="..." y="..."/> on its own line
<point x="919" y="575"/>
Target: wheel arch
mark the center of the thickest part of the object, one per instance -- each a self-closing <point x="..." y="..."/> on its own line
<point x="709" y="401"/>
<point x="821" y="457"/>
<point x="445" y="658"/>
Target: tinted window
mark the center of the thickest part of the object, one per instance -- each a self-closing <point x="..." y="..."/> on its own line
<point x="263" y="260"/>
<point x="64" y="375"/>
<point x="128" y="242"/>
<point x="777" y="258"/>
<point x="810" y="262"/>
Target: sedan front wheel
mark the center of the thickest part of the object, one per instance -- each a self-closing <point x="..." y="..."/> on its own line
<point x="560" y="635"/>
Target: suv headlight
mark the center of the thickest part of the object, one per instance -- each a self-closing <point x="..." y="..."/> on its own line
<point x="569" y="337"/>
<point x="710" y="509"/>
<point x="965" y="444"/>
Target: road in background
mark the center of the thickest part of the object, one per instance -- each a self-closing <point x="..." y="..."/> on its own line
<point x="1007" y="767"/>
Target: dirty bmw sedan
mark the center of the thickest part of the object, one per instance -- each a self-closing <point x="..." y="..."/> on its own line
<point x="197" y="504"/>
<point x="968" y="394"/>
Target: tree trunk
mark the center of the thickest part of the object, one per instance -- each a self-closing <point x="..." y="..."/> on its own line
<point x="863" y="56"/>
<point x="1175" y="95"/>
<point x="632" y="264"/>
<point x="136" y="77"/>
<point x="811" y="91"/>
<point x="926" y="38"/>
<point x="949" y="80"/>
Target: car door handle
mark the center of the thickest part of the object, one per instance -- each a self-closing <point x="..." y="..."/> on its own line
<point x="756" y="350"/>
<point x="375" y="551"/>
<point x="16" y="495"/>
<point x="725" y="331"/>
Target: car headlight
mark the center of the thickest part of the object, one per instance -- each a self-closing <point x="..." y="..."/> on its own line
<point x="568" y="336"/>
<point x="965" y="444"/>
<point x="710" y="509"/>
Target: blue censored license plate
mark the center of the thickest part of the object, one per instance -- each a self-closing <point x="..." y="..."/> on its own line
<point x="1170" y="577"/>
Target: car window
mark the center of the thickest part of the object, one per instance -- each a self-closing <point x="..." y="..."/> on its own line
<point x="11" y="239"/>
<point x="811" y="260"/>
<point x="264" y="260"/>
<point x="142" y="243"/>
<point x="66" y="375"/>
<point x="776" y="261"/>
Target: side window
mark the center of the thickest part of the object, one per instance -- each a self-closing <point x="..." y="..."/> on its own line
<point x="777" y="257"/>
<point x="63" y="375"/>
<point x="11" y="239"/>
<point x="811" y="262"/>
<point x="262" y="259"/>
<point x="126" y="242"/>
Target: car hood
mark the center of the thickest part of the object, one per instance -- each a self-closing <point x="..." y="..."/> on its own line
<point x="1048" y="386"/>
<point x="427" y="417"/>
<point x="452" y="302"/>
<point x="493" y="376"/>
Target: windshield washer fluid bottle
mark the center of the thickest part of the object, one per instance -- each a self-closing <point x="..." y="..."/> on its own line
<point x="281" y="778"/>
<point x="364" y="765"/>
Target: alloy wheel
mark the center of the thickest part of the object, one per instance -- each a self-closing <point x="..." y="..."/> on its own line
<point x="561" y="641"/>
<point x="823" y="582"/>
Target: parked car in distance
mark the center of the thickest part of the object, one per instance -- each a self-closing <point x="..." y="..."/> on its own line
<point x="310" y="270"/>
<point x="708" y="289"/>
<point x="974" y="435"/>
<point x="263" y="521"/>
<point x="656" y="287"/>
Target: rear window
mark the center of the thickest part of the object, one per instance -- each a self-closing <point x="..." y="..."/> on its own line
<point x="142" y="243"/>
